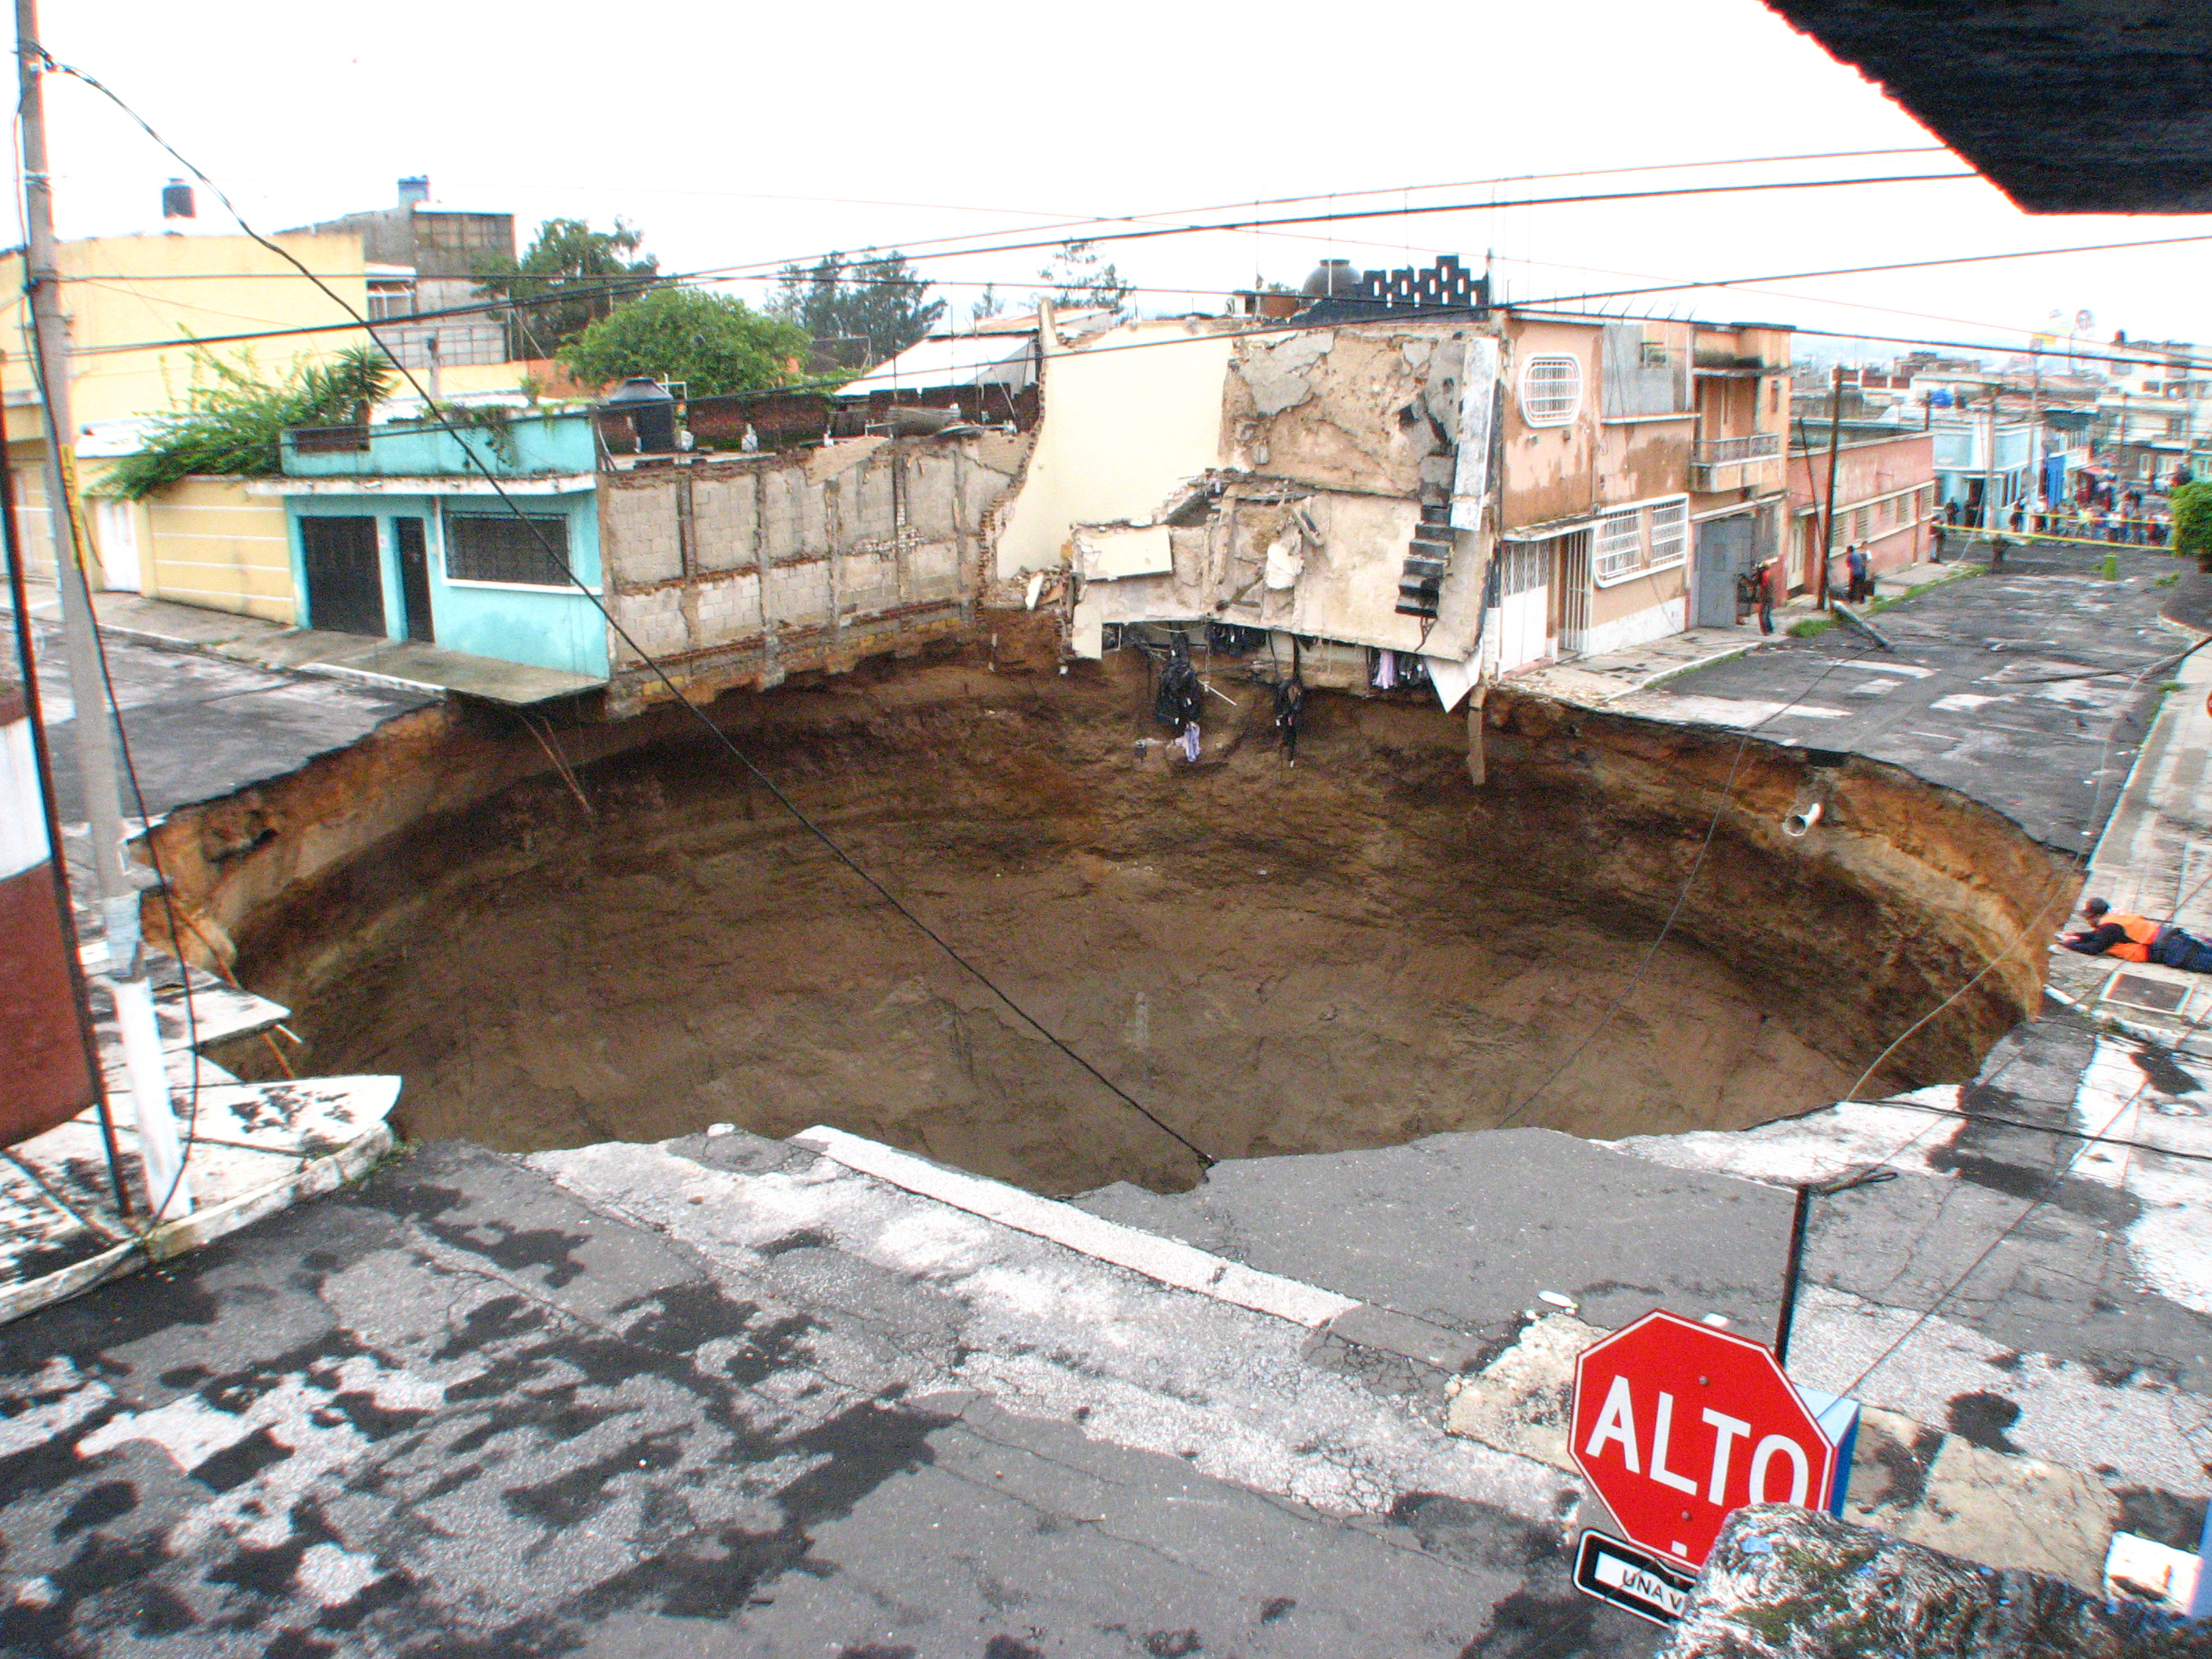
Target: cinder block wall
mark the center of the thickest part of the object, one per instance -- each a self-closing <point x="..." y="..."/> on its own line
<point x="739" y="570"/>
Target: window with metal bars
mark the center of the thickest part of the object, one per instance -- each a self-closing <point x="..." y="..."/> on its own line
<point x="1670" y="534"/>
<point x="1551" y="390"/>
<point x="1618" y="547"/>
<point x="484" y="547"/>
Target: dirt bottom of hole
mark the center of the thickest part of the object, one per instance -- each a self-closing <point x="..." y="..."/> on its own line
<point x="1266" y="981"/>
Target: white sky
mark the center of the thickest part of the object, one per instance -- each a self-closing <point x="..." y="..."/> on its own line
<point x="755" y="134"/>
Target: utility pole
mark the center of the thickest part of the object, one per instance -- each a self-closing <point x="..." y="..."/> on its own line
<point x="1991" y="522"/>
<point x="1828" y="517"/>
<point x="168" y="1192"/>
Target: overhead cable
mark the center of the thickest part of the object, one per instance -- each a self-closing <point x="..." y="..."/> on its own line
<point x="554" y="560"/>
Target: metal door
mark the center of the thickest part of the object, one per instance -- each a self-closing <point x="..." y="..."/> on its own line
<point x="414" y="579"/>
<point x="1524" y="599"/>
<point x="1724" y="554"/>
<point x="1574" y="580"/>
<point x="345" y="576"/>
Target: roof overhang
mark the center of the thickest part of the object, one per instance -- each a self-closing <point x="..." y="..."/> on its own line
<point x="2066" y="106"/>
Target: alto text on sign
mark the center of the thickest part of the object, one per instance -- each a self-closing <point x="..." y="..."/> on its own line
<point x="1676" y="1425"/>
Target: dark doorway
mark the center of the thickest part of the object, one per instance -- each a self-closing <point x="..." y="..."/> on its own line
<point x="415" y="580"/>
<point x="345" y="577"/>
<point x="1725" y="552"/>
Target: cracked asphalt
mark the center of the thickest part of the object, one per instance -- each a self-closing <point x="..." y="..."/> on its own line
<point x="464" y="1410"/>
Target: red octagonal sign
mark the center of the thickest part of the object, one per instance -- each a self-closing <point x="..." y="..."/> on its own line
<point x="1677" y="1424"/>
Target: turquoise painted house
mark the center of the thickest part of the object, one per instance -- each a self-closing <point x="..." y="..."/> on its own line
<point x="396" y="533"/>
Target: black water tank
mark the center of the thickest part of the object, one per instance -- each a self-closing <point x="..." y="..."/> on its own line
<point x="652" y="411"/>
<point x="177" y="200"/>
<point x="1332" y="279"/>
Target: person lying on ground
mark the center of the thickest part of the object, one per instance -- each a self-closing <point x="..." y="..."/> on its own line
<point x="2137" y="939"/>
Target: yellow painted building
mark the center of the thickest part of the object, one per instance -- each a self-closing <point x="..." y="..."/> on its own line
<point x="135" y="306"/>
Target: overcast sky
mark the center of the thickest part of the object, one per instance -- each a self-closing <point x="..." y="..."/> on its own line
<point x="750" y="135"/>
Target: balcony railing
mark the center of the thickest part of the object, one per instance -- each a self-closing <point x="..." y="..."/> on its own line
<point x="1726" y="452"/>
<point x="1734" y="463"/>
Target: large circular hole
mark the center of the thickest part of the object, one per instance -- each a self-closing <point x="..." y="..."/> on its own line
<point x="1351" y="952"/>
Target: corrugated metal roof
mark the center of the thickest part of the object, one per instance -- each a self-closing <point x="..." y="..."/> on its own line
<point x="952" y="359"/>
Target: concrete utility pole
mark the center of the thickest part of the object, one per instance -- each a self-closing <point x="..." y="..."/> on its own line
<point x="168" y="1193"/>
<point x="1828" y="517"/>
<point x="1992" y="523"/>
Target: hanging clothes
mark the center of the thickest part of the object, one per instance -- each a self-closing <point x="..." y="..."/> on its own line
<point x="1386" y="670"/>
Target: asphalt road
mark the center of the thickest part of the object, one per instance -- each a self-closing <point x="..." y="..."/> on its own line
<point x="2030" y="689"/>
<point x="462" y="1411"/>
<point x="200" y="726"/>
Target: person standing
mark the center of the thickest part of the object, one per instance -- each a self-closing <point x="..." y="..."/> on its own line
<point x="1857" y="567"/>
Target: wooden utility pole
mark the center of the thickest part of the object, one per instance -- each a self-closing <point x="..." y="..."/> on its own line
<point x="169" y="1192"/>
<point x="1828" y="517"/>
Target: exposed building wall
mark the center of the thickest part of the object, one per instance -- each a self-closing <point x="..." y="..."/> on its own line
<point x="742" y="570"/>
<point x="1129" y="415"/>
<point x="1333" y="440"/>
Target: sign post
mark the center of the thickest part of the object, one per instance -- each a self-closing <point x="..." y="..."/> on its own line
<point x="1677" y="1425"/>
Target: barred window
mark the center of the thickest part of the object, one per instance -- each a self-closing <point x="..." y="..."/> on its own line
<point x="1551" y="390"/>
<point x="483" y="547"/>
<point x="1670" y="534"/>
<point x="1618" y="547"/>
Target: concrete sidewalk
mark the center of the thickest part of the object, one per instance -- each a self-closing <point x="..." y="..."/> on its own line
<point x="2154" y="858"/>
<point x="402" y="665"/>
<point x="1595" y="681"/>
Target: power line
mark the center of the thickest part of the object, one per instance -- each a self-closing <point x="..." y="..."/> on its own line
<point x="2049" y="1189"/>
<point x="555" y="562"/>
<point x="1681" y="898"/>
<point x="1530" y="307"/>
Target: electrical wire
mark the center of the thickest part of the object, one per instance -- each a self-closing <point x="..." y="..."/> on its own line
<point x="554" y="560"/>
<point x="1681" y="898"/>
<point x="2049" y="1188"/>
<point x="1552" y="307"/>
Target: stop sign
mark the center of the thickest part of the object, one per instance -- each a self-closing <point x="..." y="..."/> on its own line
<point x="1677" y="1424"/>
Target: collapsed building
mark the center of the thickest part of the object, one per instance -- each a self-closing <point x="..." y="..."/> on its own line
<point x="1413" y="487"/>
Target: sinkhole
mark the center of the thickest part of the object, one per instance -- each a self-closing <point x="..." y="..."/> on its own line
<point x="1356" y="951"/>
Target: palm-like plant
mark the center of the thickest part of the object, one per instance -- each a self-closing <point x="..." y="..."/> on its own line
<point x="233" y="420"/>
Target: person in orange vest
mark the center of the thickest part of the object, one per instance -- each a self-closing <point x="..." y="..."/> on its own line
<point x="2137" y="939"/>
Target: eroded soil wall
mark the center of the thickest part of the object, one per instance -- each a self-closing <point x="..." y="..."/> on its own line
<point x="1353" y="952"/>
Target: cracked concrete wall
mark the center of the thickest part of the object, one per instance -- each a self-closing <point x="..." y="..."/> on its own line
<point x="1344" y="435"/>
<point x="1129" y="416"/>
<point x="1359" y="409"/>
<point x="742" y="570"/>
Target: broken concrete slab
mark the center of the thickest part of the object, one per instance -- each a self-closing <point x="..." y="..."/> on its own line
<point x="1792" y="1584"/>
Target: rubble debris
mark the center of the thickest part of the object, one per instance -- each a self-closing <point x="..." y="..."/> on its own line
<point x="1784" y="1583"/>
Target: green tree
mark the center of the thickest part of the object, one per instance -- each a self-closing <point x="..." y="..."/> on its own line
<point x="711" y="342"/>
<point x="883" y="301"/>
<point x="233" y="419"/>
<point x="2191" y="506"/>
<point x="1077" y="277"/>
<point x="572" y="276"/>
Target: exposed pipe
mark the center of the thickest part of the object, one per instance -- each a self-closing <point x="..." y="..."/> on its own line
<point x="1800" y="821"/>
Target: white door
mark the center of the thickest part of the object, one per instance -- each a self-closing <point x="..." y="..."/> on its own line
<point x="115" y="528"/>
<point x="1524" y="598"/>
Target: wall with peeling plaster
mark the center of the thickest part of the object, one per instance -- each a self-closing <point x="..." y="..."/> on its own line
<point x="1551" y="472"/>
<point x="1129" y="416"/>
